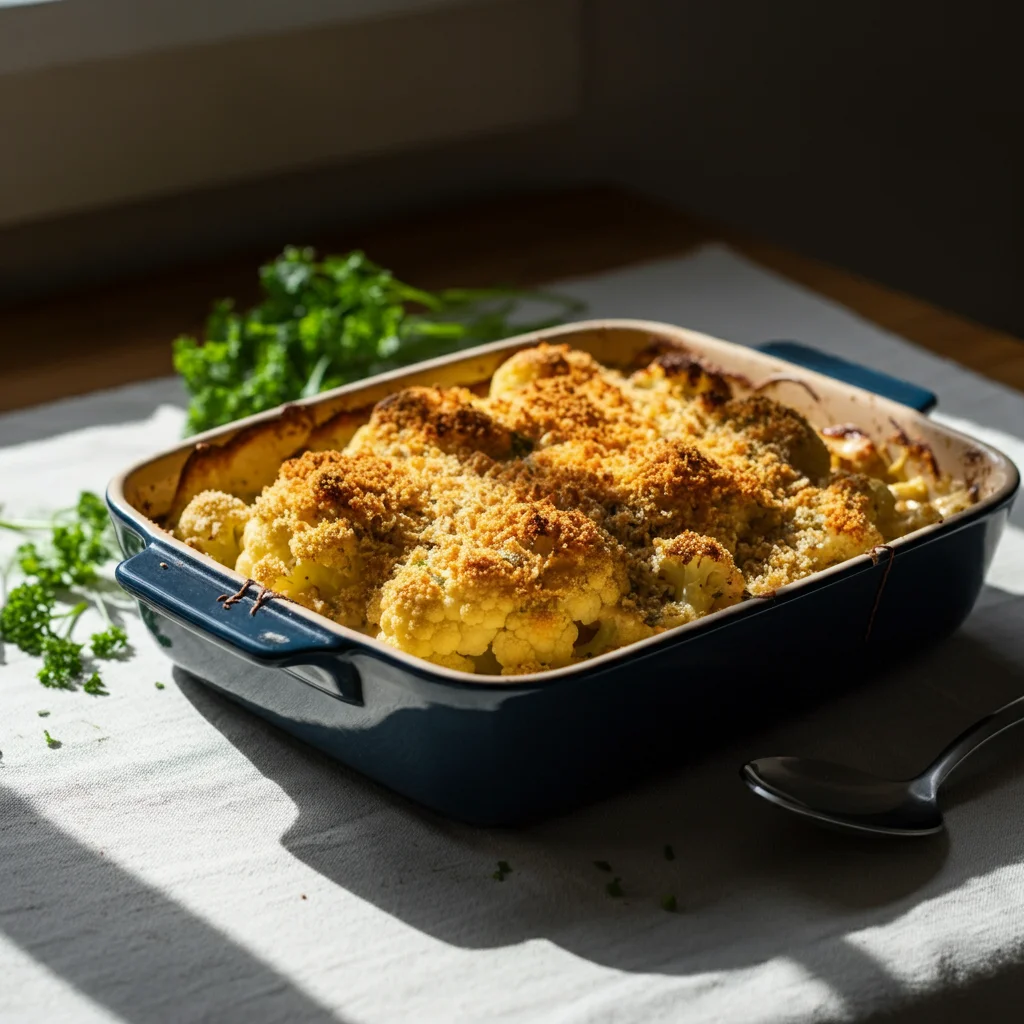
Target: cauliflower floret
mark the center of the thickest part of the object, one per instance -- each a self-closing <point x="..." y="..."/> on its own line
<point x="538" y="363"/>
<point x="700" y="572"/>
<point x="329" y="528"/>
<point x="914" y="489"/>
<point x="516" y="594"/>
<point x="615" y="627"/>
<point x="212" y="522"/>
<point x="760" y="425"/>
<point x="870" y="497"/>
<point x="455" y="661"/>
<point x="418" y="420"/>
<point x="434" y="615"/>
<point x="955" y="501"/>
<point x="544" y="637"/>
<point x="551" y="394"/>
<point x="915" y="514"/>
<point x="910" y="460"/>
<point x="679" y="374"/>
<point x="852" y="450"/>
<point x="272" y="556"/>
<point x="848" y="518"/>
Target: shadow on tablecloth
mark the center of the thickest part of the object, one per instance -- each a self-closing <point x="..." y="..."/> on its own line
<point x="73" y="910"/>
<point x="751" y="883"/>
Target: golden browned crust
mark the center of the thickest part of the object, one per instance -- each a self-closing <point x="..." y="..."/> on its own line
<point x="779" y="429"/>
<point x="570" y="510"/>
<point x="445" y="418"/>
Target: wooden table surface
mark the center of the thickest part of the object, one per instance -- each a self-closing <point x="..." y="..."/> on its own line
<point x="122" y="333"/>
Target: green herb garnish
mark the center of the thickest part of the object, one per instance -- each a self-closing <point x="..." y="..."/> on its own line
<point x="504" y="868"/>
<point x="614" y="888"/>
<point x="669" y="903"/>
<point x="58" y="575"/>
<point x="53" y="744"/>
<point x="111" y="642"/>
<point x="25" y="618"/>
<point x="322" y="323"/>
<point x="159" y="686"/>
<point x="43" y="714"/>
<point x="94" y="685"/>
<point x="62" y="663"/>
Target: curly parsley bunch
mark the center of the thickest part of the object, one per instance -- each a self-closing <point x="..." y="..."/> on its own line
<point x="55" y="574"/>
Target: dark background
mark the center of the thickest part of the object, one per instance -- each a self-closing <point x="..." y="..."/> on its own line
<point x="883" y="137"/>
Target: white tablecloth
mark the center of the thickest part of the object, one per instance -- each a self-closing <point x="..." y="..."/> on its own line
<point x="178" y="859"/>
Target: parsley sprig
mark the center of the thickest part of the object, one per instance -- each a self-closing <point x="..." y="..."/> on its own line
<point x="322" y="323"/>
<point x="61" y="582"/>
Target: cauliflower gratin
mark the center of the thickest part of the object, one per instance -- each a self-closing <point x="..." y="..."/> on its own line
<point x="571" y="510"/>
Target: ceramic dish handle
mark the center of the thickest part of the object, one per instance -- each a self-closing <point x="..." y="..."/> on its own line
<point x="267" y="632"/>
<point x="901" y="391"/>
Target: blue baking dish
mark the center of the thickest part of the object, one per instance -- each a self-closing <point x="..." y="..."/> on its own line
<point x="502" y="751"/>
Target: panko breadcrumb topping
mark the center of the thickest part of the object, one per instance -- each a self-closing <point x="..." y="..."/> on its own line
<point x="567" y="512"/>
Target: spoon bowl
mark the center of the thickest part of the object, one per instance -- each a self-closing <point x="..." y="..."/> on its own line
<point x="857" y="801"/>
<point x="843" y="797"/>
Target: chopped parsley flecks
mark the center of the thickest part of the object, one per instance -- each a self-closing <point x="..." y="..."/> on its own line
<point x="94" y="685"/>
<point x="504" y="868"/>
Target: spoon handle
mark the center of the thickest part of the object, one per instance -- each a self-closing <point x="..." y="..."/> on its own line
<point x="968" y="742"/>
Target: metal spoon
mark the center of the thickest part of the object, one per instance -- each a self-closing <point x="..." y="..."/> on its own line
<point x="833" y="794"/>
